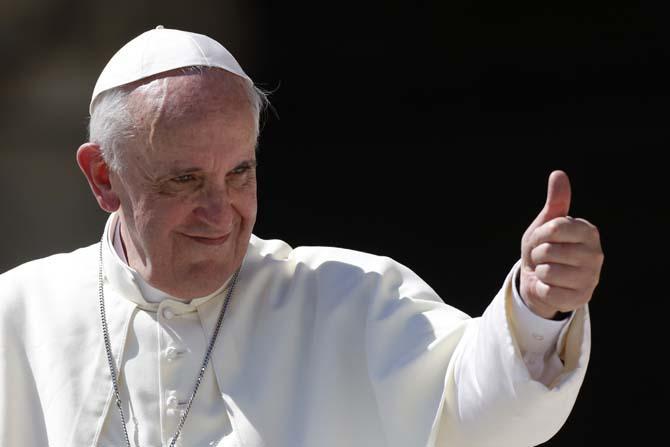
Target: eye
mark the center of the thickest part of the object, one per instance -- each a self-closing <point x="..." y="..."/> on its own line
<point x="239" y="170"/>
<point x="244" y="167"/>
<point x="184" y="178"/>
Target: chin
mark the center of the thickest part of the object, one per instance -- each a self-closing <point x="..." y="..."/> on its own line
<point x="208" y="272"/>
<point x="203" y="268"/>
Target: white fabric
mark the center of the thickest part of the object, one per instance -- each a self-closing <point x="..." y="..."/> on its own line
<point x="538" y="338"/>
<point x="320" y="347"/>
<point x="160" y="50"/>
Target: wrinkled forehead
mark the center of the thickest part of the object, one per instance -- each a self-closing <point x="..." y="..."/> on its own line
<point x="180" y="97"/>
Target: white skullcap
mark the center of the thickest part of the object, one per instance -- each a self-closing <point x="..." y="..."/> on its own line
<point x="160" y="50"/>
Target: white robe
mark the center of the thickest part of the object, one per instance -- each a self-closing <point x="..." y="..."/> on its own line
<point x="320" y="347"/>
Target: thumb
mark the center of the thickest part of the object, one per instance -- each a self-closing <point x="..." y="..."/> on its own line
<point x="558" y="198"/>
<point x="557" y="205"/>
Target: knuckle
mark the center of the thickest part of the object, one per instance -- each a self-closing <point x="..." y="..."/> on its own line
<point x="541" y="269"/>
<point x="553" y="227"/>
<point x="542" y="290"/>
<point x="545" y="271"/>
<point x="541" y="252"/>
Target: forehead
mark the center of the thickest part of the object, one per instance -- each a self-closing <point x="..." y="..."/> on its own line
<point x="192" y="116"/>
<point x="177" y="98"/>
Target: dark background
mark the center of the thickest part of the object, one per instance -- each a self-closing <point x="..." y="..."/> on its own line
<point x="424" y="131"/>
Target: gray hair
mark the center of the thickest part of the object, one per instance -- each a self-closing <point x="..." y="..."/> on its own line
<point x="111" y="125"/>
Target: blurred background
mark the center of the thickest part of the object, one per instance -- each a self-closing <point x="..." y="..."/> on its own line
<point x="421" y="130"/>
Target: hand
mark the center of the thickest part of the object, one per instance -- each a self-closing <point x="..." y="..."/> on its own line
<point x="561" y="256"/>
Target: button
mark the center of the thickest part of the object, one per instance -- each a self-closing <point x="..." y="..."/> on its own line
<point x="160" y="27"/>
<point x="172" y="402"/>
<point x="538" y="337"/>
<point x="168" y="313"/>
<point x="172" y="353"/>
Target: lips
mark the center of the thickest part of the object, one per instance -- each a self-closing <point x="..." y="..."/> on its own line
<point x="209" y="240"/>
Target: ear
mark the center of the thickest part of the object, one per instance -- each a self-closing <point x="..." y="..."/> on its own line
<point x="94" y="167"/>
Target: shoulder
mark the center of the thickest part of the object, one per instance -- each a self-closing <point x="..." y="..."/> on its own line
<point x="340" y="271"/>
<point x="321" y="257"/>
<point x="53" y="265"/>
<point x="38" y="279"/>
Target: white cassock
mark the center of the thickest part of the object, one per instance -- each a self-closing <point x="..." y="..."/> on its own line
<point x="319" y="347"/>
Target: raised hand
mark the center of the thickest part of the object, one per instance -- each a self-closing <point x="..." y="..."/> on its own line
<point x="561" y="256"/>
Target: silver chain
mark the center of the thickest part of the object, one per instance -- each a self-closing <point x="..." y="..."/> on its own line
<point x="110" y="360"/>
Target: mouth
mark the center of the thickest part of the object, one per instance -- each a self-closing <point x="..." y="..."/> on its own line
<point x="209" y="240"/>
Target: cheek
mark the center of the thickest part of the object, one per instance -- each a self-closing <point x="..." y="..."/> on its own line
<point x="249" y="206"/>
<point x="158" y="217"/>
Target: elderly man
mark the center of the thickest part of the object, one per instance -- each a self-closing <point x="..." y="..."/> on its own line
<point x="180" y="327"/>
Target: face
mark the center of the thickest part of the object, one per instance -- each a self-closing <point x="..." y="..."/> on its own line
<point x="188" y="190"/>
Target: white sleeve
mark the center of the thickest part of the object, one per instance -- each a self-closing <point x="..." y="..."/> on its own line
<point x="537" y="338"/>
<point x="491" y="399"/>
<point x="443" y="379"/>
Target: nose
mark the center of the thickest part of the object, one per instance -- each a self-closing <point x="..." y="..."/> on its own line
<point x="214" y="206"/>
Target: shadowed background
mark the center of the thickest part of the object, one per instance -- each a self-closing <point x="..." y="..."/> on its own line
<point x="424" y="131"/>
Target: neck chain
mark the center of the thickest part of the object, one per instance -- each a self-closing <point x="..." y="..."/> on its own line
<point x="110" y="360"/>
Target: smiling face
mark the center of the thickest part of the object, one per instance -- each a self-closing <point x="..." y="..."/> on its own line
<point x="188" y="189"/>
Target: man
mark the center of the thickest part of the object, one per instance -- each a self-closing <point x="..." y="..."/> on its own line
<point x="182" y="328"/>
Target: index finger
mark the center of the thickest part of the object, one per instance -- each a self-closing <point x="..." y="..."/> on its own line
<point x="562" y="230"/>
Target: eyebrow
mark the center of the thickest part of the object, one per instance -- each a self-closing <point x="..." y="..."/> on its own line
<point x="252" y="162"/>
<point x="176" y="171"/>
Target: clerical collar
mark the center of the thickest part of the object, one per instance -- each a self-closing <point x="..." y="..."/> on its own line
<point x="151" y="294"/>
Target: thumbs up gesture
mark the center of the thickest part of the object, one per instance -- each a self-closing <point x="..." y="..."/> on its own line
<point x="561" y="256"/>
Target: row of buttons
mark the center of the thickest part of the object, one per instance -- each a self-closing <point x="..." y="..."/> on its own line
<point x="171" y="353"/>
